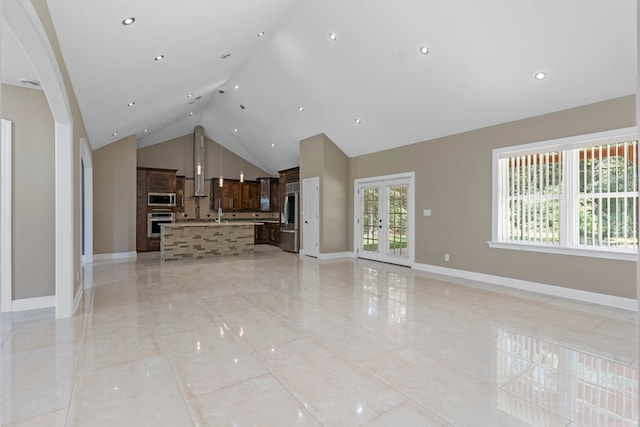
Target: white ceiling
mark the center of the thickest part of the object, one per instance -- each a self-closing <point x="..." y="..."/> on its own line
<point x="479" y="70"/>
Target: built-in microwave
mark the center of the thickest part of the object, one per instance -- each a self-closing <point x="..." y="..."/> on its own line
<point x="161" y="199"/>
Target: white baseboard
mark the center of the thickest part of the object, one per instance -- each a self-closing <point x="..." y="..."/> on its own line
<point x="541" y="288"/>
<point x="336" y="255"/>
<point x="115" y="256"/>
<point x="33" y="303"/>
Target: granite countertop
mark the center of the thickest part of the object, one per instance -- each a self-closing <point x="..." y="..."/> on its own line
<point x="244" y="220"/>
<point x="208" y="224"/>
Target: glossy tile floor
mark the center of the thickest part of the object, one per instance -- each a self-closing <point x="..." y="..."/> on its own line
<point x="281" y="340"/>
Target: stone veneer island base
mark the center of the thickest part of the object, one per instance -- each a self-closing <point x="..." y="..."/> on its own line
<point x="206" y="239"/>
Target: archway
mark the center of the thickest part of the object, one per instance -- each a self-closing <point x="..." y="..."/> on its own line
<point x="22" y="18"/>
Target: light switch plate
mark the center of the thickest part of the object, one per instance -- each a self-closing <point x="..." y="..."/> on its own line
<point x="426" y="212"/>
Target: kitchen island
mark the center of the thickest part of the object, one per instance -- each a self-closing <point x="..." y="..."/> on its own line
<point x="187" y="240"/>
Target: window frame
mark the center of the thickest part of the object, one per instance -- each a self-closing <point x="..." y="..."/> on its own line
<point x="567" y="209"/>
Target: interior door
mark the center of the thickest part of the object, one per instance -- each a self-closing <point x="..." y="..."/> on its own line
<point x="310" y="214"/>
<point x="384" y="220"/>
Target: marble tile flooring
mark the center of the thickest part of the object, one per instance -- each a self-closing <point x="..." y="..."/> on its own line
<point x="275" y="339"/>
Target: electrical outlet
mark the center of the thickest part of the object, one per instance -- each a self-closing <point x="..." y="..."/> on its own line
<point x="446" y="257"/>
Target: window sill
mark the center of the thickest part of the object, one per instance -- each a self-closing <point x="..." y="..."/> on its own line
<point x="592" y="253"/>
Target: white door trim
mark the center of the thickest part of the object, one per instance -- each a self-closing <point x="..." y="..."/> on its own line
<point x="411" y="177"/>
<point x="87" y="162"/>
<point x="315" y="252"/>
<point x="6" y="156"/>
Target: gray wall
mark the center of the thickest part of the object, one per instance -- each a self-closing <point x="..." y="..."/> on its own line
<point x="453" y="179"/>
<point x="177" y="154"/>
<point x="114" y="197"/>
<point x="320" y="157"/>
<point x="33" y="191"/>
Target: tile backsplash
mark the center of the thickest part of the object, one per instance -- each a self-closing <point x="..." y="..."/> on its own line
<point x="189" y="210"/>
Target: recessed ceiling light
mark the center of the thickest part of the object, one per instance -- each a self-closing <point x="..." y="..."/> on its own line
<point x="236" y="130"/>
<point x="128" y="21"/>
<point x="190" y="95"/>
<point x="146" y="130"/>
<point x="236" y="87"/>
<point x="301" y="108"/>
<point x="540" y="75"/>
<point x="131" y="104"/>
<point x="191" y="113"/>
<point x="159" y="58"/>
<point x="358" y="121"/>
<point x="30" y="83"/>
<point x="424" y="50"/>
<point x="261" y="33"/>
<point x="114" y="134"/>
<point x="273" y="145"/>
<point x="333" y="37"/>
<point x="225" y="56"/>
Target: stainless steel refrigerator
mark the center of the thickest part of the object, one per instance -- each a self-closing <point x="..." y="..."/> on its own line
<point x="290" y="220"/>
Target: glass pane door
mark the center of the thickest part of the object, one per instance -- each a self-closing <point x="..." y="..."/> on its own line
<point x="397" y="220"/>
<point x="383" y="221"/>
<point x="370" y="220"/>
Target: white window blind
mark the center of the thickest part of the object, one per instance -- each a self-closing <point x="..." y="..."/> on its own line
<point x="571" y="193"/>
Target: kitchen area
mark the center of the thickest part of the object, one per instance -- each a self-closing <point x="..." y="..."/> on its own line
<point x="198" y="216"/>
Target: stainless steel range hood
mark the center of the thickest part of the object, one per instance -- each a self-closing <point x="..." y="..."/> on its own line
<point x="198" y="162"/>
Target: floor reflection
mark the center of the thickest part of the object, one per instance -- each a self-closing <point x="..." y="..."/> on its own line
<point x="587" y="388"/>
<point x="384" y="293"/>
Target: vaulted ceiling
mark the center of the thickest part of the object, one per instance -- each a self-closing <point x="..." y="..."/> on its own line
<point x="368" y="89"/>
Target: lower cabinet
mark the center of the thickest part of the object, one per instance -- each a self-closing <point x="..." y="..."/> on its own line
<point x="260" y="234"/>
<point x="267" y="233"/>
<point x="153" y="244"/>
<point x="274" y="233"/>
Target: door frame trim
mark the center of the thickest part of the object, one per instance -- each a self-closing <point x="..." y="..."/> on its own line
<point x="316" y="180"/>
<point x="411" y="211"/>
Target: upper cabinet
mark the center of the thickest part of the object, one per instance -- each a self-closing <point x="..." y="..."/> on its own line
<point x="250" y="196"/>
<point x="246" y="196"/>
<point x="180" y="192"/>
<point x="227" y="197"/>
<point x="269" y="194"/>
<point x="161" y="181"/>
<point x="288" y="176"/>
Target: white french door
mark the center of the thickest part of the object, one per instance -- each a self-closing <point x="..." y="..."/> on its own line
<point x="384" y="218"/>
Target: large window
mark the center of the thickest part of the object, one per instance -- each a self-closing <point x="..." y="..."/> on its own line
<point x="575" y="195"/>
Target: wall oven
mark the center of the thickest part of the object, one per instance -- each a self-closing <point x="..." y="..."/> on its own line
<point x="156" y="219"/>
<point x="161" y="199"/>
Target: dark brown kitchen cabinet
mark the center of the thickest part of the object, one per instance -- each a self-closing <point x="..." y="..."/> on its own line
<point x="141" y="211"/>
<point x="267" y="233"/>
<point x="180" y="193"/>
<point x="274" y="203"/>
<point x="269" y="194"/>
<point x="227" y="197"/>
<point x="250" y="196"/>
<point x="161" y="181"/>
<point x="272" y="230"/>
<point x="254" y="203"/>
<point x="260" y="234"/>
<point x="153" y="180"/>
<point x="288" y="176"/>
